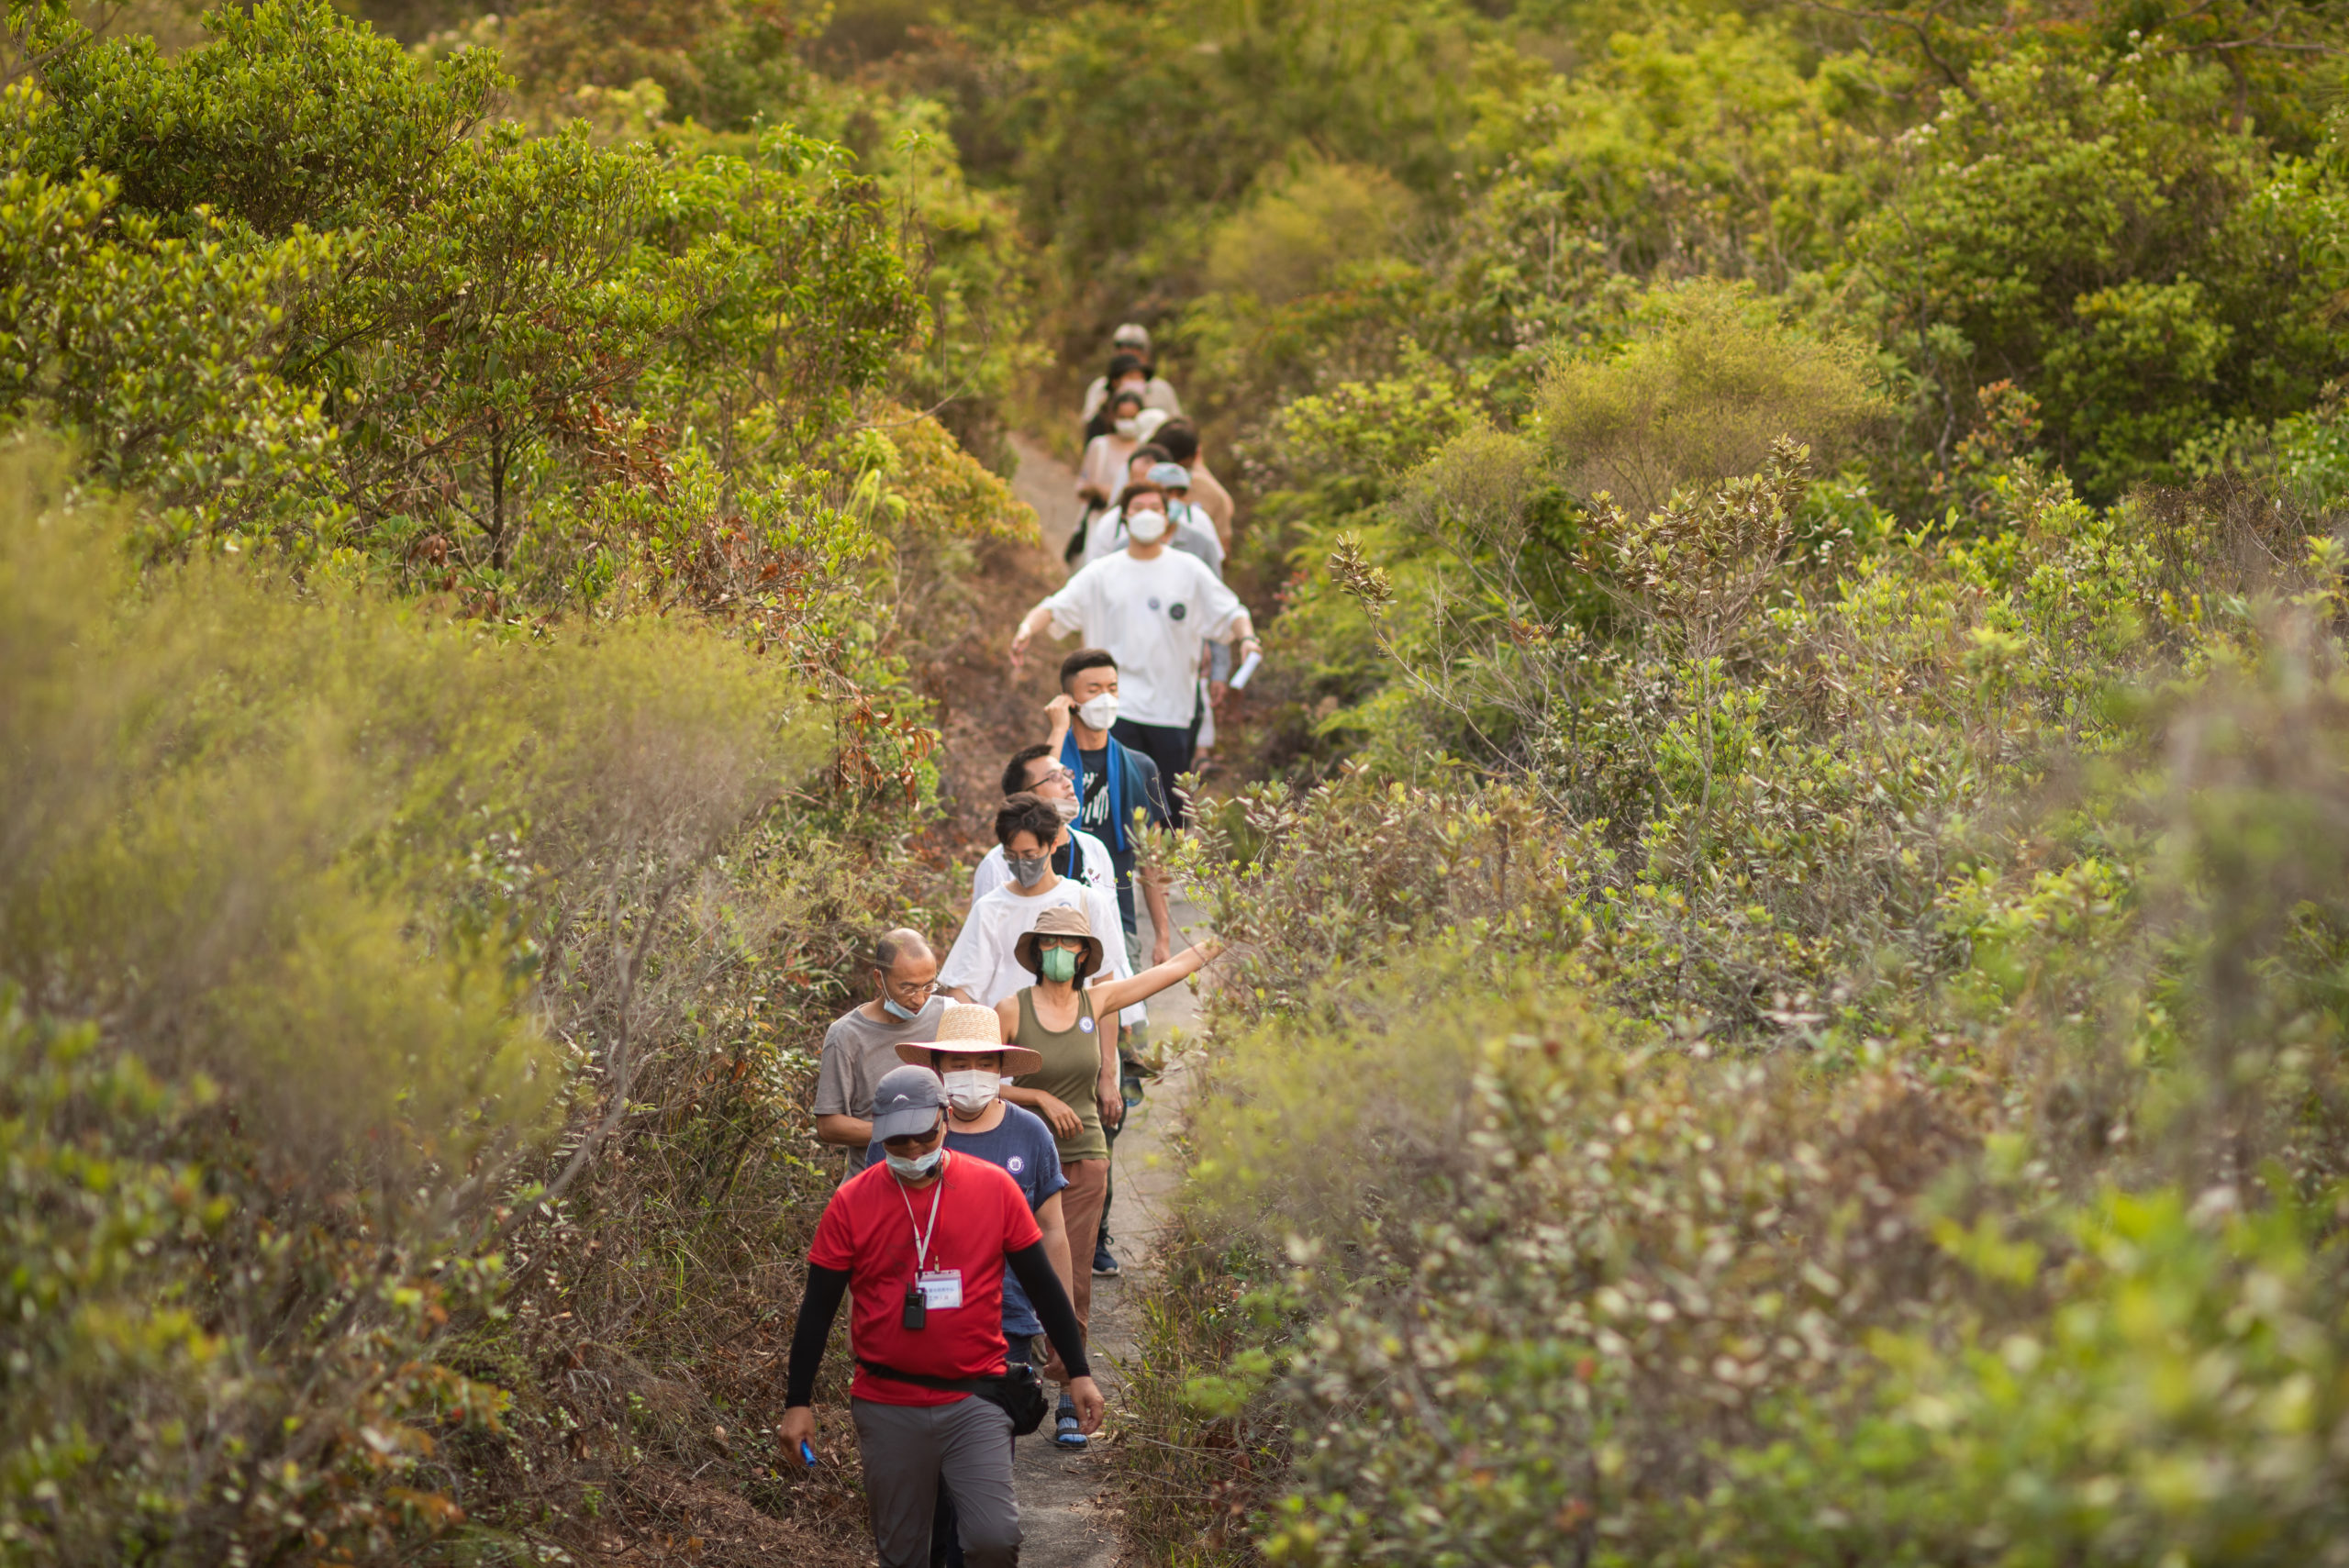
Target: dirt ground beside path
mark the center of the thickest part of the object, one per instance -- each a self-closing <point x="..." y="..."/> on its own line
<point x="985" y="711"/>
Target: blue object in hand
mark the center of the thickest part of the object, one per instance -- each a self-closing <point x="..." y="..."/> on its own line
<point x="808" y="1454"/>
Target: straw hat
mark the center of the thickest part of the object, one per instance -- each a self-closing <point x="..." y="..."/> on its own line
<point x="965" y="1026"/>
<point x="1062" y="921"/>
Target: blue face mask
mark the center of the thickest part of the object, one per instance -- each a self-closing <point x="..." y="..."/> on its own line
<point x="903" y="1015"/>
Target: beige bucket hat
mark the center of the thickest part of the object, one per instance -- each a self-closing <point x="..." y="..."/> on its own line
<point x="1062" y="921"/>
<point x="965" y="1026"/>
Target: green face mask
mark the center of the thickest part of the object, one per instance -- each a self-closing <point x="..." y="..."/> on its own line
<point x="1060" y="964"/>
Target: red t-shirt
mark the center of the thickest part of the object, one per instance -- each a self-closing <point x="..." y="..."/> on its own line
<point x="982" y="1215"/>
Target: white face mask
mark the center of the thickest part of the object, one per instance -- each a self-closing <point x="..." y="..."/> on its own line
<point x="916" y="1167"/>
<point x="1098" y="712"/>
<point x="1147" y="527"/>
<point x="1130" y="428"/>
<point x="1067" y="808"/>
<point x="971" y="1091"/>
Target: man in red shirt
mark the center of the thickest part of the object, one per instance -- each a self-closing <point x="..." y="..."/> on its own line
<point x="924" y="1236"/>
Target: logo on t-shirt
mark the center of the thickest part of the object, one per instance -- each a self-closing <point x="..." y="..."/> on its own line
<point x="1153" y="601"/>
<point x="1179" y="611"/>
<point x="1015" y="1164"/>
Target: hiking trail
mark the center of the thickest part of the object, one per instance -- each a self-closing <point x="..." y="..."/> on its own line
<point x="1068" y="1511"/>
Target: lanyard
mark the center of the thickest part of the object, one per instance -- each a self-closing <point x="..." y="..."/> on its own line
<point x="921" y="1237"/>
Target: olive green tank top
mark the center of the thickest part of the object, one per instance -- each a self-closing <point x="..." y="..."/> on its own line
<point x="1070" y="1073"/>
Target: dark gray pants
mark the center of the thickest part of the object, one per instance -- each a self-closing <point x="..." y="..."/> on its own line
<point x="910" y="1450"/>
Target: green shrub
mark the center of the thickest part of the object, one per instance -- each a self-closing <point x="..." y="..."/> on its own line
<point x="1698" y="395"/>
<point x="2183" y="1402"/>
<point x="330" y="880"/>
<point x="1889" y="948"/>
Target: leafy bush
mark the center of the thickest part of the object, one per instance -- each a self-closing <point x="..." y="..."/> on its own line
<point x="1698" y="395"/>
<point x="1670" y="1148"/>
<point x="2102" y="241"/>
<point x="302" y="865"/>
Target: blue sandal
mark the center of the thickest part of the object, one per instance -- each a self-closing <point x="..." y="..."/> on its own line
<point x="1065" y="1432"/>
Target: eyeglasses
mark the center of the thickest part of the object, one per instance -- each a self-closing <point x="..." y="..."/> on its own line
<point x="1056" y="773"/>
<point x="922" y="988"/>
<point x="1074" y="944"/>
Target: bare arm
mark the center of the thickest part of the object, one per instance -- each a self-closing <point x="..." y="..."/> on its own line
<point x="1064" y="1122"/>
<point x="1114" y="995"/>
<point x="1109" y="1094"/>
<point x="1058" y="711"/>
<point x="855" y="1132"/>
<point x="1037" y="620"/>
<point x="1162" y="922"/>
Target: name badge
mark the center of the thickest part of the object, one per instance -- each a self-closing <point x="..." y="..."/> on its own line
<point x="1085" y="1024"/>
<point x="940" y="1288"/>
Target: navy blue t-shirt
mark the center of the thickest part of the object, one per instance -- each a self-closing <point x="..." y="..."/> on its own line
<point x="1142" y="790"/>
<point x="1022" y="1144"/>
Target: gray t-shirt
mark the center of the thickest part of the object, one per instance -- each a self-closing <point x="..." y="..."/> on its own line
<point x="858" y="1053"/>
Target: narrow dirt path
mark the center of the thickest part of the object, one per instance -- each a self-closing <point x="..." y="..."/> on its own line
<point x="1047" y="484"/>
<point x="1067" y="1515"/>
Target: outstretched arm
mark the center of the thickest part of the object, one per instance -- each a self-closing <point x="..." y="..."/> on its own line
<point x="818" y="1306"/>
<point x="1112" y="995"/>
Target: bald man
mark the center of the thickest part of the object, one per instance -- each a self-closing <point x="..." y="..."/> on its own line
<point x="861" y="1044"/>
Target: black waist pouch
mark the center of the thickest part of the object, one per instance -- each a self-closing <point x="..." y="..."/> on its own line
<point x="1019" y="1393"/>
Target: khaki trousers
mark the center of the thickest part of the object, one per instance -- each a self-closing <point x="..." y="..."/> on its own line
<point x="1082" y="1201"/>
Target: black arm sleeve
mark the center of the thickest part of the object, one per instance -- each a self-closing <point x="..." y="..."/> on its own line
<point x="817" y="1310"/>
<point x="1042" y="1285"/>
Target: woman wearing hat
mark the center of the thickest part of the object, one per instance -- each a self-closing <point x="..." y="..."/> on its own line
<point x="1074" y="1086"/>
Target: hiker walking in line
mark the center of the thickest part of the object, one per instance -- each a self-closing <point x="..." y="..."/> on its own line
<point x="1179" y="439"/>
<point x="1117" y="791"/>
<point x="1121" y="791"/>
<point x="1120" y="426"/>
<point x="923" y="1239"/>
<point x="1076" y="1087"/>
<point x="1131" y="342"/>
<point x="972" y="1061"/>
<point x="1155" y="486"/>
<point x="981" y="967"/>
<point x="1033" y="770"/>
<point x="862" y="1043"/>
<point x="1153" y="609"/>
<point x="1192" y="533"/>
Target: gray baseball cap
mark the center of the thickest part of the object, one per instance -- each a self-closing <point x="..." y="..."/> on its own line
<point x="905" y="1103"/>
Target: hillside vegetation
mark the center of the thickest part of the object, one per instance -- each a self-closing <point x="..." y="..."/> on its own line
<point x="1786" y="866"/>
